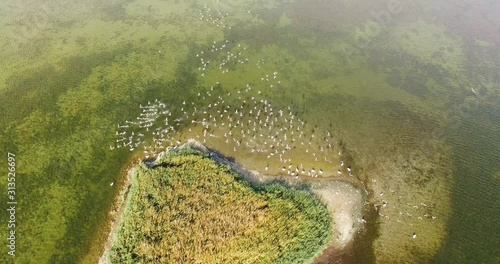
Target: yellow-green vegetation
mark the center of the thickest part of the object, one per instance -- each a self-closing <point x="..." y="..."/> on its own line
<point x="189" y="209"/>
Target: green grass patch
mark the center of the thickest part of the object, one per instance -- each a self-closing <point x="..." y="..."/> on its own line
<point x="189" y="209"/>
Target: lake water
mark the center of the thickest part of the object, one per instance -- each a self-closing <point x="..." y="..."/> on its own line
<point x="405" y="94"/>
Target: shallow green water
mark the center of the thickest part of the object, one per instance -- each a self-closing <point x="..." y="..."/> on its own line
<point x="400" y="107"/>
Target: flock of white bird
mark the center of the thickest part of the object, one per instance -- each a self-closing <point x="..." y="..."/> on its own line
<point x="226" y="54"/>
<point x="245" y="122"/>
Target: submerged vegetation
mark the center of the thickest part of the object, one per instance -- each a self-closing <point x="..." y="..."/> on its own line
<point x="189" y="209"/>
<point x="417" y="109"/>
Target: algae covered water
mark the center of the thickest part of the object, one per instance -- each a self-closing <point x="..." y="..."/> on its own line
<point x="401" y="98"/>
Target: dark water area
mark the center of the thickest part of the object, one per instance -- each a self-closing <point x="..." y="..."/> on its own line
<point x="475" y="197"/>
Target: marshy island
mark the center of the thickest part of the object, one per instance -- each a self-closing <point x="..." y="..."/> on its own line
<point x="192" y="205"/>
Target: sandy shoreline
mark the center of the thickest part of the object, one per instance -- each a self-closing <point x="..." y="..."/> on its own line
<point x="343" y="199"/>
<point x="117" y="211"/>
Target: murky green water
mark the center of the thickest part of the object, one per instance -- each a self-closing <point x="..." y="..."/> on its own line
<point x="409" y="93"/>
